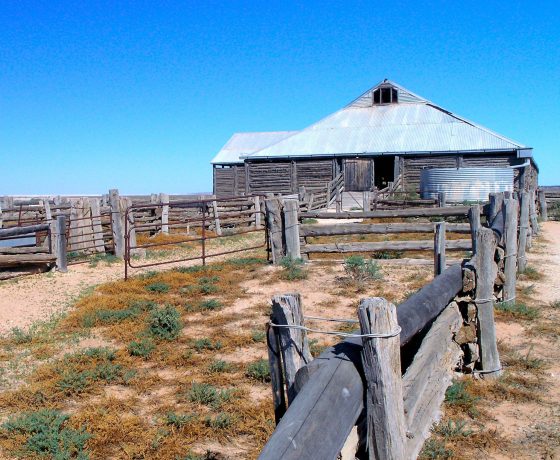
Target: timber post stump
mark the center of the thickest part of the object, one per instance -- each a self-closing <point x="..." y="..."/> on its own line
<point x="381" y="359"/>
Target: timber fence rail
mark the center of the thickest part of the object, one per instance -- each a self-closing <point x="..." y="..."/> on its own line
<point x="26" y="250"/>
<point x="192" y="223"/>
<point x="387" y="380"/>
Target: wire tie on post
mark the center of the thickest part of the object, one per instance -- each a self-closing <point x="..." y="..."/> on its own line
<point x="388" y="335"/>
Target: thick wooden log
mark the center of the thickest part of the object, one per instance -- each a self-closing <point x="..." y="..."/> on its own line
<point x="510" y="209"/>
<point x="117" y="222"/>
<point x="486" y="272"/>
<point x="366" y="201"/>
<point x="523" y="232"/>
<point x="439" y="248"/>
<point x="311" y="230"/>
<point x="12" y="260"/>
<point x="24" y="250"/>
<point x="276" y="373"/>
<point x="418" y="245"/>
<point x="427" y="378"/>
<point x="496" y="201"/>
<point x="414" y="212"/>
<point x="274" y="222"/>
<point x="291" y="229"/>
<point x="308" y="430"/>
<point x="381" y="360"/>
<point x="442" y="200"/>
<point x="542" y="205"/>
<point x="294" y="346"/>
<point x="23" y="271"/>
<point x="21" y="231"/>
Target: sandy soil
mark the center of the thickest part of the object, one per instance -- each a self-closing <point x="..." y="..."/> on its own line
<point x="535" y="428"/>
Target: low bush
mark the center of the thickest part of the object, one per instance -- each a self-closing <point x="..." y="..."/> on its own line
<point x="516" y="310"/>
<point x="259" y="370"/>
<point x="179" y="420"/>
<point x="208" y="395"/>
<point x="219" y="366"/>
<point x="142" y="348"/>
<point x="206" y="344"/>
<point x="47" y="434"/>
<point x="165" y="323"/>
<point x="458" y="395"/>
<point x="258" y="335"/>
<point x="159" y="287"/>
<point x="293" y="269"/>
<point x="360" y="270"/>
<point x="20" y="336"/>
<point x="219" y="422"/>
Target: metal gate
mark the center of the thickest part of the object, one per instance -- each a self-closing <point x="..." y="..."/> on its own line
<point x="195" y="222"/>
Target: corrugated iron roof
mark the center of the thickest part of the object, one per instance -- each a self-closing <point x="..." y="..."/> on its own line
<point x="414" y="125"/>
<point x="247" y="143"/>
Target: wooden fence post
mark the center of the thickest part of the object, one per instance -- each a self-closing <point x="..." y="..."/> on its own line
<point x="217" y="226"/>
<point x="439" y="248"/>
<point x="542" y="205"/>
<point x="474" y="220"/>
<point x="338" y="200"/>
<point x="257" y="206"/>
<point x="276" y="373"/>
<point x="117" y="222"/>
<point x="60" y="235"/>
<point x="274" y="221"/>
<point x="96" y="225"/>
<point x="496" y="201"/>
<point x="442" y="201"/>
<point x="523" y="231"/>
<point x="386" y="433"/>
<point x="366" y="204"/>
<point x="294" y="346"/>
<point x="510" y="210"/>
<point x="164" y="200"/>
<point x="533" y="212"/>
<point x="486" y="272"/>
<point x="291" y="229"/>
<point x="125" y="204"/>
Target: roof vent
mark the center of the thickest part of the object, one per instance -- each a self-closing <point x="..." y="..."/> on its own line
<point x="385" y="95"/>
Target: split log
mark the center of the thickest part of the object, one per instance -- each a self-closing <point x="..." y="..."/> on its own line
<point x="24" y="259"/>
<point x="312" y="230"/>
<point x="414" y="212"/>
<point x="274" y="221"/>
<point x="510" y="209"/>
<point x="439" y="248"/>
<point x="523" y="232"/>
<point x="291" y="229"/>
<point x="22" y="231"/>
<point x="427" y="378"/>
<point x="24" y="250"/>
<point x="418" y="245"/>
<point x="542" y="205"/>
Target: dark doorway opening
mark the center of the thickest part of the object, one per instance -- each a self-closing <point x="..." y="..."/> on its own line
<point x="384" y="171"/>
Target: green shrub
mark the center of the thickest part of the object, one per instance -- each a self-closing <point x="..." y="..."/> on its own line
<point x="517" y="310"/>
<point x="193" y="269"/>
<point x="158" y="287"/>
<point x="208" y="395"/>
<point x="387" y="255"/>
<point x="315" y="348"/>
<point x="74" y="382"/>
<point x="109" y="259"/>
<point x="531" y="273"/>
<point x="219" y="366"/>
<point x="48" y="435"/>
<point x="20" y="336"/>
<point x="458" y="395"/>
<point x="210" y="304"/>
<point x="434" y="449"/>
<point x="206" y="344"/>
<point x="98" y="353"/>
<point x="178" y="421"/>
<point x="220" y="422"/>
<point x="258" y="335"/>
<point x="293" y="269"/>
<point x="259" y="370"/>
<point x="360" y="270"/>
<point x="453" y="429"/>
<point x="142" y="348"/>
<point x="165" y="323"/>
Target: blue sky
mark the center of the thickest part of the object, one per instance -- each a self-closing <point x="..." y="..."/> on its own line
<point x="141" y="95"/>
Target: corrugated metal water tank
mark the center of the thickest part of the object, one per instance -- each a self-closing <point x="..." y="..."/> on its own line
<point x="465" y="184"/>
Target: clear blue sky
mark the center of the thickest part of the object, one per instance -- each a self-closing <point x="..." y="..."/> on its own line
<point x="141" y="95"/>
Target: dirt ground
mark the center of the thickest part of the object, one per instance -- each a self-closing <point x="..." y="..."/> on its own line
<point x="531" y="429"/>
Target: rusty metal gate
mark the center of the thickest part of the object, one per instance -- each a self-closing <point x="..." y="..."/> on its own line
<point x="192" y="222"/>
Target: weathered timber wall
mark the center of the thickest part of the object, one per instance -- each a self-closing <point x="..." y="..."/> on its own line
<point x="229" y="181"/>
